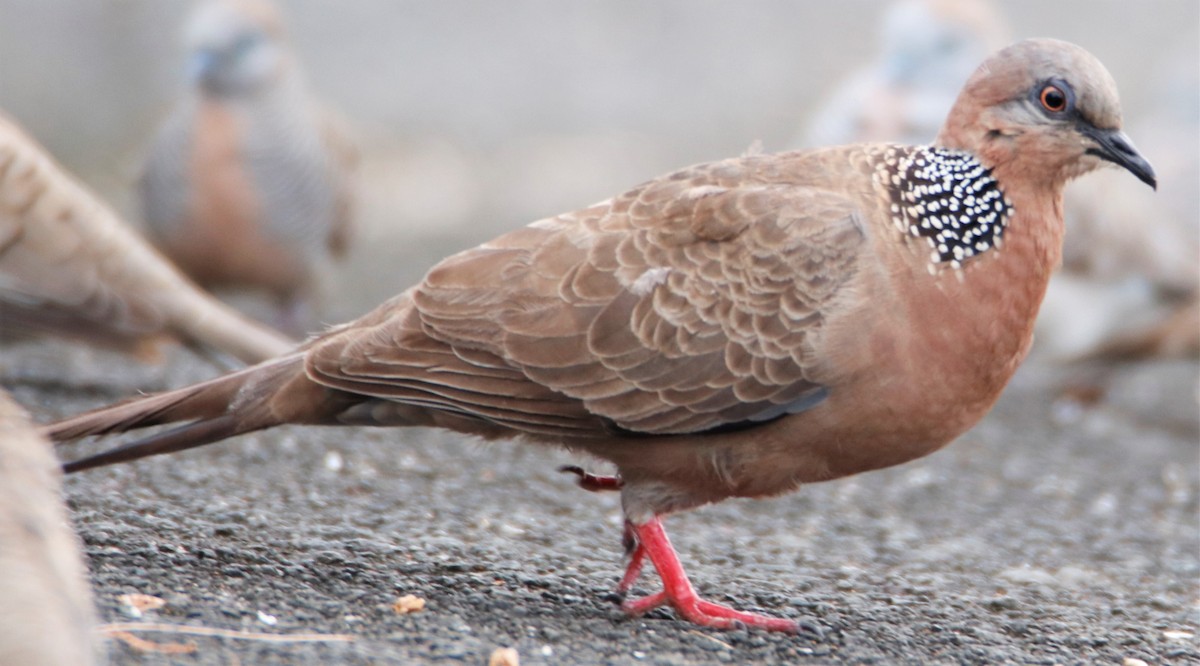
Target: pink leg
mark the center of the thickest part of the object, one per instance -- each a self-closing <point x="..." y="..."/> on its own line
<point x="633" y="548"/>
<point x="637" y="558"/>
<point x="651" y="539"/>
<point x="677" y="589"/>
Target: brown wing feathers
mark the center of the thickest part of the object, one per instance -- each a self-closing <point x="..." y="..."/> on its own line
<point x="700" y="315"/>
<point x="693" y="303"/>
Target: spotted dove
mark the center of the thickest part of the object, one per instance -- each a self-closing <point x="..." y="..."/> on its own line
<point x="249" y="181"/>
<point x="46" y="615"/>
<point x="69" y="265"/>
<point x="734" y="329"/>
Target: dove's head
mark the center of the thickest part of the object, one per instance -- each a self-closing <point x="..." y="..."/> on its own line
<point x="936" y="44"/>
<point x="1043" y="110"/>
<point x="237" y="47"/>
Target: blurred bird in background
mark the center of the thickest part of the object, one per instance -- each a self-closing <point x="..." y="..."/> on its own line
<point x="249" y="182"/>
<point x="928" y="49"/>
<point x="70" y="266"/>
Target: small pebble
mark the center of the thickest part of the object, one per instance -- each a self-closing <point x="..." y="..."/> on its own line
<point x="408" y="604"/>
<point x="1177" y="635"/>
<point x="334" y="462"/>
<point x="504" y="657"/>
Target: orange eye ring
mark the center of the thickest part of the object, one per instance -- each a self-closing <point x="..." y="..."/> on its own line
<point x="1053" y="99"/>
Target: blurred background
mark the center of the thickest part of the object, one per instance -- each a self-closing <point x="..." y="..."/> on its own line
<point x="475" y="116"/>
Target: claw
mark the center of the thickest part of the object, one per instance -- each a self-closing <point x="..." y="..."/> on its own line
<point x="593" y="482"/>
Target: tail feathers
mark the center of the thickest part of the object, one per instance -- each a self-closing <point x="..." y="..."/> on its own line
<point x="205" y="400"/>
<point x="234" y="404"/>
<point x="181" y="438"/>
<point x="241" y="391"/>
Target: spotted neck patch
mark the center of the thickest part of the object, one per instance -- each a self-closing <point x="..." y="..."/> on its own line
<point x="946" y="197"/>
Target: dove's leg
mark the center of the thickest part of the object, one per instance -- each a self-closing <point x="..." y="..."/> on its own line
<point x="677" y="590"/>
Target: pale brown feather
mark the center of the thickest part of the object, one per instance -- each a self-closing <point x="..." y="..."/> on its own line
<point x="46" y="615"/>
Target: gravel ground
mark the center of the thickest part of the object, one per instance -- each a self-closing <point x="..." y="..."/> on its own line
<point x="1050" y="534"/>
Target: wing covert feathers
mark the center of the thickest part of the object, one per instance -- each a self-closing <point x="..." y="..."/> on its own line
<point x="689" y="303"/>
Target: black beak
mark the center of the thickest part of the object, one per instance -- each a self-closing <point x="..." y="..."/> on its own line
<point x="1114" y="146"/>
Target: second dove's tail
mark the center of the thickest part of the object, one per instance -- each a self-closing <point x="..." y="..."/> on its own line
<point x="200" y="319"/>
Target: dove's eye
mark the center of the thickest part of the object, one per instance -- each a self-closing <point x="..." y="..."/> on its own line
<point x="1053" y="99"/>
